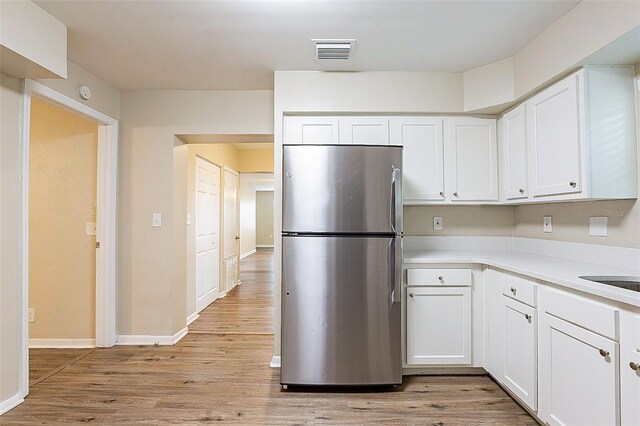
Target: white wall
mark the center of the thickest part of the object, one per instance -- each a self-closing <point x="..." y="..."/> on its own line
<point x="247" y="217"/>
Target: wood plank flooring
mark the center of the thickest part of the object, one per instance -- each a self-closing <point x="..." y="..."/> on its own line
<point x="220" y="374"/>
<point x="45" y="361"/>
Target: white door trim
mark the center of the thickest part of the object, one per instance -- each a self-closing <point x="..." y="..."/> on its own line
<point x="105" y="219"/>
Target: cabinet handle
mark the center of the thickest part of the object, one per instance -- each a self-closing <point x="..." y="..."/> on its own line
<point x="527" y="317"/>
<point x="603" y="353"/>
<point x="572" y="184"/>
<point x="410" y="294"/>
<point x="521" y="191"/>
<point x="634" y="366"/>
<point x="455" y="194"/>
<point x="440" y="278"/>
<point x="441" y="194"/>
<point x="513" y="290"/>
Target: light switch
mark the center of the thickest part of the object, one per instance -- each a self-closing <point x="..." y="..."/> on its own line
<point x="547" y="224"/>
<point x="598" y="226"/>
<point x="437" y="223"/>
<point x="90" y="228"/>
<point x="157" y="220"/>
<point x="188" y="218"/>
<point x="32" y="315"/>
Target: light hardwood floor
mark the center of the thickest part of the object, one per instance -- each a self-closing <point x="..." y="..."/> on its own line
<point x="219" y="374"/>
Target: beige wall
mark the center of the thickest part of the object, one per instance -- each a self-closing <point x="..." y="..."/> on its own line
<point x="571" y="220"/>
<point x="255" y="160"/>
<point x="264" y="218"/>
<point x="247" y="216"/>
<point x="10" y="242"/>
<point x="62" y="199"/>
<point x="459" y="220"/>
<point x="149" y="281"/>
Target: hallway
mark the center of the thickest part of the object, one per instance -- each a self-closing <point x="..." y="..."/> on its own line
<point x="219" y="373"/>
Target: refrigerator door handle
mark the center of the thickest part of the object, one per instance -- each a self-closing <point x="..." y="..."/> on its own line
<point x="396" y="201"/>
<point x="396" y="269"/>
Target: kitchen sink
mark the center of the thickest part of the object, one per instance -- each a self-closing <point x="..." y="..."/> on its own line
<point x="629" y="283"/>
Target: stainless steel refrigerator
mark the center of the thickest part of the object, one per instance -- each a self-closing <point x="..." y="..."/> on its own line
<point x="341" y="265"/>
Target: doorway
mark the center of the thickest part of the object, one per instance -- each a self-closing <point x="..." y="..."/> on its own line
<point x="231" y="231"/>
<point x="103" y="214"/>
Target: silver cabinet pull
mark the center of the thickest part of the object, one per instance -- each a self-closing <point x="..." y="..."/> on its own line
<point x="521" y="191"/>
<point x="513" y="290"/>
<point x="528" y="317"/>
<point x="441" y="194"/>
<point x="440" y="278"/>
<point x="634" y="366"/>
<point x="572" y="184"/>
<point x="410" y="294"/>
<point x="603" y="353"/>
<point x="455" y="194"/>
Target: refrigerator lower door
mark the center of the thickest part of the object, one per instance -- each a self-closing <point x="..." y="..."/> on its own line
<point x="341" y="311"/>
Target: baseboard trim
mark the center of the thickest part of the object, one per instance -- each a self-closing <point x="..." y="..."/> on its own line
<point x="62" y="343"/>
<point x="249" y="253"/>
<point x="147" y="340"/>
<point x="191" y="318"/>
<point x="179" y="335"/>
<point x="264" y="246"/>
<point x="275" y="362"/>
<point x="11" y="402"/>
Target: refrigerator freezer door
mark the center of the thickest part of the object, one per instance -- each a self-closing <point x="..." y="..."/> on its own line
<point x="341" y="321"/>
<point x="342" y="189"/>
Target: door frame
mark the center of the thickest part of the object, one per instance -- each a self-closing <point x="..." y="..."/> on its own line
<point x="223" y="258"/>
<point x="105" y="218"/>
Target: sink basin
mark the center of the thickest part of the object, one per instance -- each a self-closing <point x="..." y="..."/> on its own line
<point x="629" y="283"/>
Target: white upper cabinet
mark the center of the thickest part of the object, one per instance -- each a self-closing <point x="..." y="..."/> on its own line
<point x="423" y="158"/>
<point x="581" y="138"/>
<point x="311" y="130"/>
<point x="556" y="134"/>
<point x="364" y="130"/>
<point x="512" y="140"/>
<point x="472" y="159"/>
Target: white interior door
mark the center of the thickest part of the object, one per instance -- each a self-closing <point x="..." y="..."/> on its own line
<point x="231" y="232"/>
<point x="207" y="234"/>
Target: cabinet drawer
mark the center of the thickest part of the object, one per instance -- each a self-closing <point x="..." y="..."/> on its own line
<point x="439" y="277"/>
<point x="591" y="315"/>
<point x="521" y="289"/>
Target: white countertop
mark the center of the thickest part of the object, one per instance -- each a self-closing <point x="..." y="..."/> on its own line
<point x="545" y="268"/>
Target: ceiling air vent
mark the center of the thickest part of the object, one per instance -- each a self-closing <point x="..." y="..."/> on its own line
<point x="333" y="49"/>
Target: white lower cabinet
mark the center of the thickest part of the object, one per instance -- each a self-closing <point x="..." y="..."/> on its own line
<point x="629" y="368"/>
<point x="439" y="325"/>
<point x="578" y="375"/>
<point x="520" y="351"/>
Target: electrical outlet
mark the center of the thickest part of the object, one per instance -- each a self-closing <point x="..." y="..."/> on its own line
<point x="598" y="226"/>
<point x="188" y="218"/>
<point x="437" y="223"/>
<point x="156" y="220"/>
<point x="32" y="315"/>
<point x="547" y="224"/>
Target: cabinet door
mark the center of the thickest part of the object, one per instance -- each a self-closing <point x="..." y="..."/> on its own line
<point x="471" y="153"/>
<point x="423" y="158"/>
<point x="310" y="130"/>
<point x="578" y="375"/>
<point x="629" y="368"/>
<point x="438" y="325"/>
<point x="513" y="144"/>
<point x="554" y="136"/>
<point x="364" y="130"/>
<point x="520" y="350"/>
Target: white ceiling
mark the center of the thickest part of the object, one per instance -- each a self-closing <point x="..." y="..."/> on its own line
<point x="231" y="45"/>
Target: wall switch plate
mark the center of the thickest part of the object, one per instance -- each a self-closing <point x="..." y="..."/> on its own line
<point x="437" y="223"/>
<point x="547" y="224"/>
<point x="32" y="315"/>
<point x="90" y="228"/>
<point x="156" y="222"/>
<point x="598" y="226"/>
<point x="188" y="218"/>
